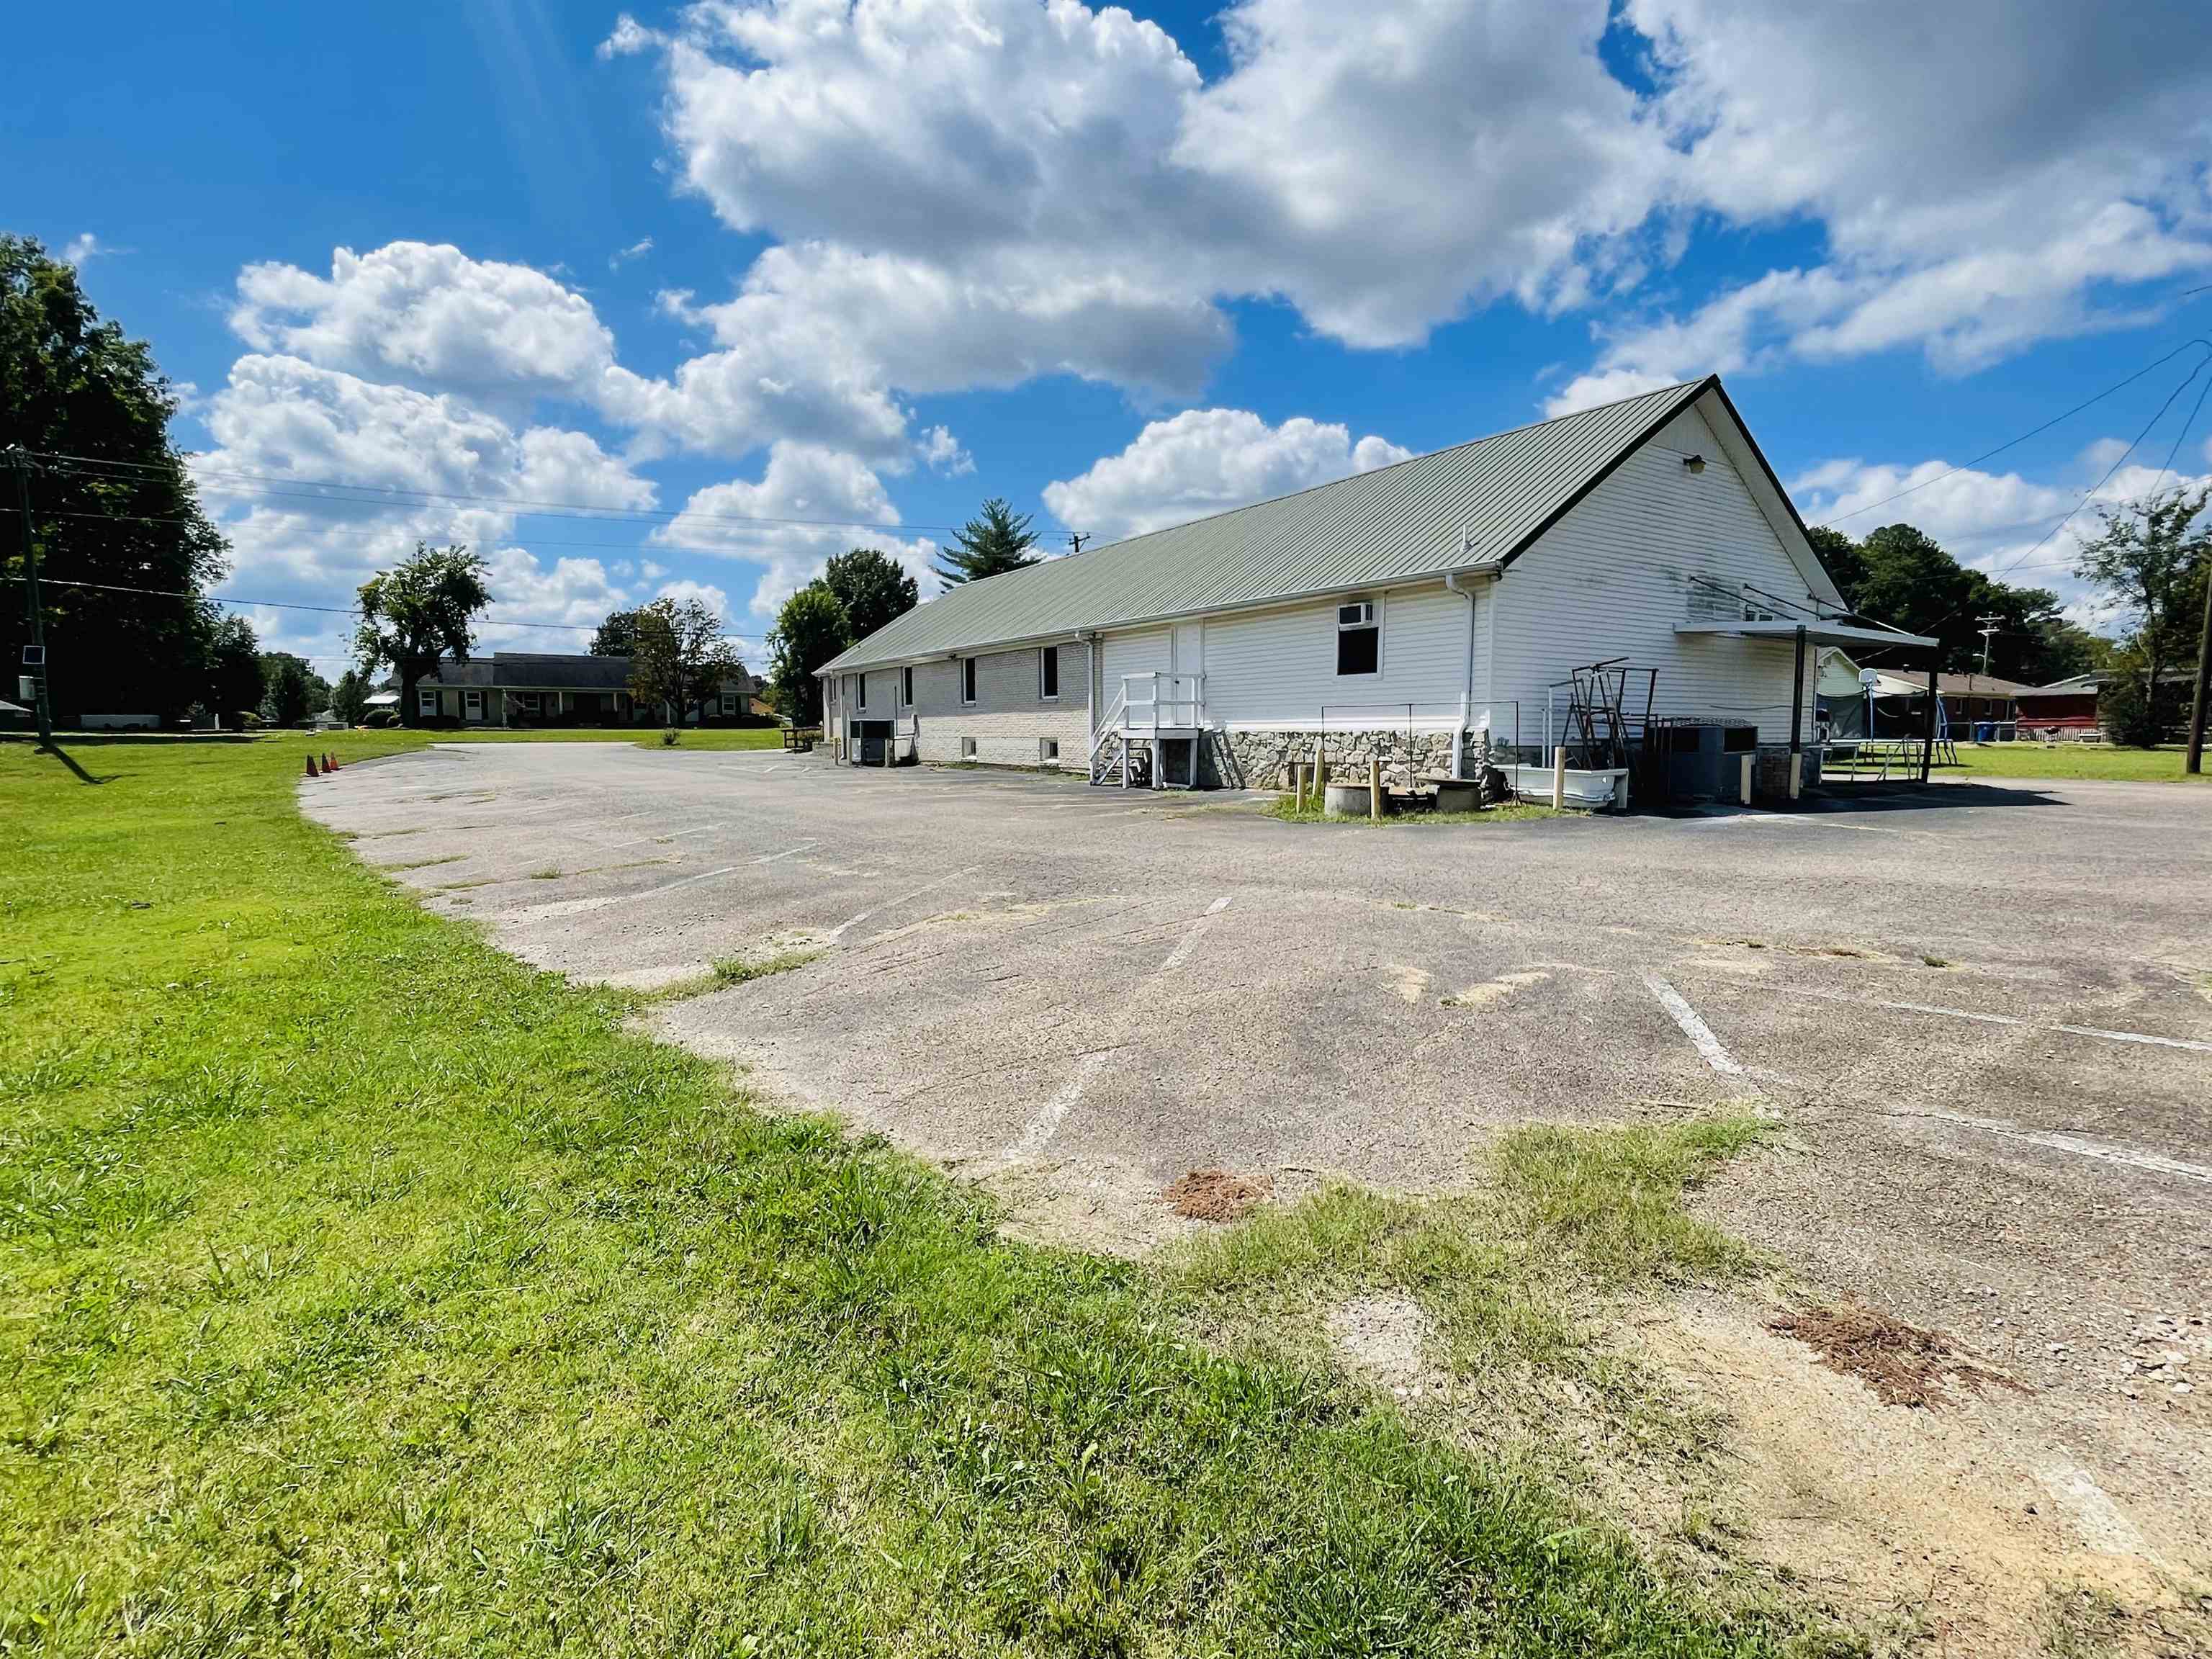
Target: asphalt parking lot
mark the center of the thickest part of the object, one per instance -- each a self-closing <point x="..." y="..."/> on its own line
<point x="1981" y="1012"/>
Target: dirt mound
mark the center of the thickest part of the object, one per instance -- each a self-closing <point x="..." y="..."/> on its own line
<point x="1218" y="1194"/>
<point x="1904" y="1365"/>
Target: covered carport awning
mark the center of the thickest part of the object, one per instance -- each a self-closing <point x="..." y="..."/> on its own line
<point x="1815" y="632"/>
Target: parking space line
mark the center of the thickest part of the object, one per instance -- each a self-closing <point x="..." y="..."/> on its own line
<point x="579" y="906"/>
<point x="2059" y="1141"/>
<point x="851" y="922"/>
<point x="787" y="853"/>
<point x="1696" y="1030"/>
<point x="1047" y="1123"/>
<point x="1978" y="1017"/>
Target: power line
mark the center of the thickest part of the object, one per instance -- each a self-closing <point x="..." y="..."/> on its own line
<point x="235" y="603"/>
<point x="374" y="495"/>
<point x="2010" y="442"/>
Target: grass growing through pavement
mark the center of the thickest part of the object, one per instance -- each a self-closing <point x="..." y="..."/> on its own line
<point x="1291" y="810"/>
<point x="363" y="1290"/>
<point x="1507" y="1270"/>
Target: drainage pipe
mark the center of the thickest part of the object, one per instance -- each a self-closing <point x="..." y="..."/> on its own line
<point x="1467" y="689"/>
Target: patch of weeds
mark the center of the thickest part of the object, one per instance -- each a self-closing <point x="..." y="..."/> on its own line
<point x="549" y="873"/>
<point x="2082" y="1622"/>
<point x="1936" y="961"/>
<point x="462" y="886"/>
<point x="737" y="971"/>
<point x="1288" y="809"/>
<point x="423" y="864"/>
<point x="1501" y="1269"/>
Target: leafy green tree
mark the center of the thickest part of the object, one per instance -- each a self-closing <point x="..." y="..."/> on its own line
<point x="1841" y="558"/>
<point x="233" y="669"/>
<point x="290" y="689"/>
<point x="349" y="697"/>
<point x="617" y="635"/>
<point x="677" y="656"/>
<point x="871" y="586"/>
<point x="417" y="614"/>
<point x="2152" y="557"/>
<point x="811" y="629"/>
<point x="999" y="541"/>
<point x="124" y="513"/>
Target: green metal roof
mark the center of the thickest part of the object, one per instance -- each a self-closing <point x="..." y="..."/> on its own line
<point x="1477" y="504"/>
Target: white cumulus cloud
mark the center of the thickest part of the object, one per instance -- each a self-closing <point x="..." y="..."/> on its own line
<point x="1204" y="461"/>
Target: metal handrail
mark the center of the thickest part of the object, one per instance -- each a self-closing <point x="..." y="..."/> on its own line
<point x="1195" y="702"/>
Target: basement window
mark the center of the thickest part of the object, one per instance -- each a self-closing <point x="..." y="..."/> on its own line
<point x="967" y="679"/>
<point x="967" y="749"/>
<point x="1049" y="672"/>
<point x="1359" y="639"/>
<point x="1049" y="751"/>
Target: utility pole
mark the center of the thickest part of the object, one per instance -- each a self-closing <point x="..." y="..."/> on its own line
<point x="1076" y="538"/>
<point x="35" y="654"/>
<point x="1991" y="626"/>
<point x="2194" y="765"/>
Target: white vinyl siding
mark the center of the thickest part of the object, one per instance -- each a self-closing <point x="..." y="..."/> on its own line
<point x="1278" y="667"/>
<point x="1612" y="579"/>
<point x="1152" y="651"/>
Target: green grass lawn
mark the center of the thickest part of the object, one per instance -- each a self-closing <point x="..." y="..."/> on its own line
<point x="363" y="1291"/>
<point x="2067" y="760"/>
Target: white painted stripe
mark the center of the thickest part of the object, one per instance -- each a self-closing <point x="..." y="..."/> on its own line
<point x="2081" y="1145"/>
<point x="1047" y="1123"/>
<point x="850" y="922"/>
<point x="1189" y="940"/>
<point x="2189" y="1044"/>
<point x="787" y="853"/>
<point x="578" y="907"/>
<point x="680" y="834"/>
<point x="1043" y="1126"/>
<point x="1696" y="1030"/>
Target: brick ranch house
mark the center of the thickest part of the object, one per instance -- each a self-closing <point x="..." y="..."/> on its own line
<point x="1429" y="613"/>
<point x="537" y="688"/>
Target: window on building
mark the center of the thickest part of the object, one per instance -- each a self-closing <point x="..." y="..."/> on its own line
<point x="1049" y="751"/>
<point x="1048" y="671"/>
<point x="860" y="691"/>
<point x="906" y="686"/>
<point x="1358" y="638"/>
<point x="426" y="699"/>
<point x="473" y="701"/>
<point x="967" y="679"/>
<point x="967" y="749"/>
<point x="729" y="702"/>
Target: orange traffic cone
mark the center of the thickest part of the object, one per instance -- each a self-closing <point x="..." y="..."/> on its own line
<point x="311" y="766"/>
<point x="329" y="763"/>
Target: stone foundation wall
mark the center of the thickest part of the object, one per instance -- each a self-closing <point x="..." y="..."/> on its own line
<point x="1262" y="760"/>
<point x="1770" y="776"/>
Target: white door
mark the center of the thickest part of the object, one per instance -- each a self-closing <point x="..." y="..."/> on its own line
<point x="1189" y="661"/>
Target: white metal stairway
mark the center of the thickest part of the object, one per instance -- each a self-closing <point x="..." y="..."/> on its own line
<point x="1149" y="712"/>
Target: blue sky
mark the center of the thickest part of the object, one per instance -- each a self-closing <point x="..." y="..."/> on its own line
<point x="811" y="259"/>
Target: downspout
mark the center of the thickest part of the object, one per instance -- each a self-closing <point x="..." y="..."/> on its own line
<point x="1466" y="687"/>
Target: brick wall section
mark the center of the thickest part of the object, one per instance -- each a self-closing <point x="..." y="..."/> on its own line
<point x="1008" y="721"/>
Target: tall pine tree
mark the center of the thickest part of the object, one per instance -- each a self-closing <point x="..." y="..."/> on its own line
<point x="999" y="541"/>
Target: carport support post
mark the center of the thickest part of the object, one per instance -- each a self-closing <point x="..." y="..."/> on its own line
<point x="1928" y="729"/>
<point x="1374" y="790"/>
<point x="1797" y="718"/>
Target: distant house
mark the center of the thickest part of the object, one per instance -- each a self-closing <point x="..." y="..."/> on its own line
<point x="1899" y="700"/>
<point x="2071" y="706"/>
<point x="536" y="688"/>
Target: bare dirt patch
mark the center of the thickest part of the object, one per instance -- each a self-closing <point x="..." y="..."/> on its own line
<point x="1218" y="1194"/>
<point x="1904" y="1365"/>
